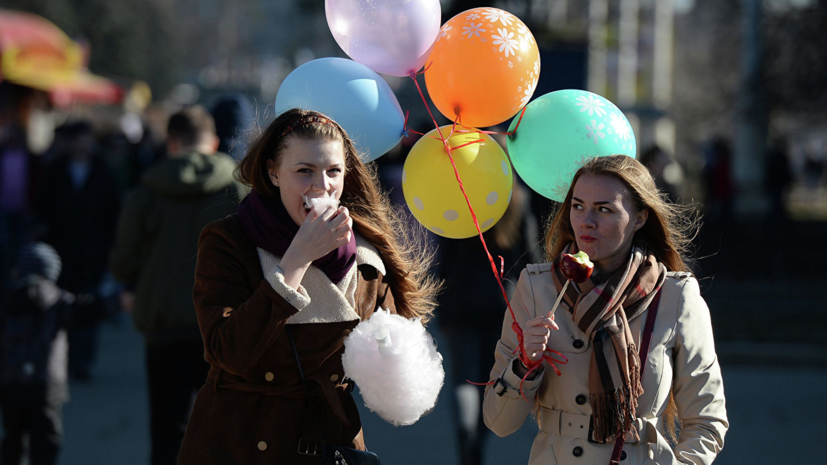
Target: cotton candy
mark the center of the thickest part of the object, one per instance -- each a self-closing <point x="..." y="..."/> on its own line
<point x="320" y="204"/>
<point x="396" y="366"/>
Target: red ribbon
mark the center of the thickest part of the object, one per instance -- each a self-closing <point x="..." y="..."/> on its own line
<point x="531" y="365"/>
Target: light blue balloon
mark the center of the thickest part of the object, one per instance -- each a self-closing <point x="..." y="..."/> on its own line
<point x="559" y="131"/>
<point x="353" y="95"/>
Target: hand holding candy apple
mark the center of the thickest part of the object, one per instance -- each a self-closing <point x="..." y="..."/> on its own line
<point x="577" y="268"/>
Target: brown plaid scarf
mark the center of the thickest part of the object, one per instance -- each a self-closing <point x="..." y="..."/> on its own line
<point x="602" y="308"/>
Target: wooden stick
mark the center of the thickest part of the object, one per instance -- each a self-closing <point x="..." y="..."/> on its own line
<point x="559" y="298"/>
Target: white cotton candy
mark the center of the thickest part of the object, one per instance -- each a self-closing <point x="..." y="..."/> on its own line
<point x="321" y="203"/>
<point x="396" y="366"/>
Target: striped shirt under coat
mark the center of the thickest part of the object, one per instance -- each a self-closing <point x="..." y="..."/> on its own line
<point x="682" y="349"/>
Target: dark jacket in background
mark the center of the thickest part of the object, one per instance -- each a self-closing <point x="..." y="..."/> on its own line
<point x="157" y="238"/>
<point x="34" y="346"/>
<point x="80" y="222"/>
<point x="471" y="295"/>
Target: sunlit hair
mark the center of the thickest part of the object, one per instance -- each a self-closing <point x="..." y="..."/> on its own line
<point x="403" y="251"/>
<point x="667" y="233"/>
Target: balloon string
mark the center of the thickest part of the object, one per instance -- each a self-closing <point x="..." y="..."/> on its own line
<point x="532" y="365"/>
<point x="520" y="120"/>
<point x="466" y="144"/>
<point x="415" y="73"/>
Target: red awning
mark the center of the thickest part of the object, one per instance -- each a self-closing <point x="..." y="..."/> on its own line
<point x="36" y="53"/>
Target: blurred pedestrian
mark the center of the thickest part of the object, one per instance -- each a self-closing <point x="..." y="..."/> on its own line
<point x="813" y="167"/>
<point x="154" y="257"/>
<point x="471" y="305"/>
<point x="19" y="168"/>
<point x="78" y="200"/>
<point x="666" y="171"/>
<point x="282" y="283"/>
<point x="233" y="116"/>
<point x="718" y="184"/>
<point x="777" y="180"/>
<point x="604" y="404"/>
<point x="34" y="358"/>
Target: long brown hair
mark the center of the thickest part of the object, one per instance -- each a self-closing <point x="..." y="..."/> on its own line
<point x="403" y="252"/>
<point x="667" y="233"/>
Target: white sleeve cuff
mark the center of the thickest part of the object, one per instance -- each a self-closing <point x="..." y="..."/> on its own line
<point x="298" y="298"/>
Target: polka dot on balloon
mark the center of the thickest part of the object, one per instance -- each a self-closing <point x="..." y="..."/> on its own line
<point x="504" y="166"/>
<point x="450" y="215"/>
<point x="404" y="176"/>
<point x="510" y="193"/>
<point x="487" y="223"/>
<point x="437" y="230"/>
<point x="492" y="198"/>
<point x="418" y="203"/>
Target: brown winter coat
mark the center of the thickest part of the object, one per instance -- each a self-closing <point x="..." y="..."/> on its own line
<point x="252" y="407"/>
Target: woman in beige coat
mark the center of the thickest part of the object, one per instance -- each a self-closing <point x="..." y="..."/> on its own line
<point x="614" y="213"/>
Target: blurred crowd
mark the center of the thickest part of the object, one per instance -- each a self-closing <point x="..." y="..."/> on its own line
<point x="66" y="266"/>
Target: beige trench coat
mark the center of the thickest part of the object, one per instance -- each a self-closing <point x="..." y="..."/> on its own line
<point x="681" y="357"/>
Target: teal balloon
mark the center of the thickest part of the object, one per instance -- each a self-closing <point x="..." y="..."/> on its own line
<point x="559" y="131"/>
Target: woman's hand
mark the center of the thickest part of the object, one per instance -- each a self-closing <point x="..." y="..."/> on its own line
<point x="536" y="333"/>
<point x="319" y="234"/>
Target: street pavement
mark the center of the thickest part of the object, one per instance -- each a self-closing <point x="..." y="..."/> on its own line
<point x="777" y="415"/>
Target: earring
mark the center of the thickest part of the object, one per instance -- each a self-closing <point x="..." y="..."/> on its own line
<point x="276" y="183"/>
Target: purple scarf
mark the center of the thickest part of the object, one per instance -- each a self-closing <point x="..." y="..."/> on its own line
<point x="268" y="224"/>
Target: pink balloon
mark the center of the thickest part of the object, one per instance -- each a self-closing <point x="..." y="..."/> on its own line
<point x="388" y="36"/>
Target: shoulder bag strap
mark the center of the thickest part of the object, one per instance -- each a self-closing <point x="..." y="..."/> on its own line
<point x="645" y="340"/>
<point x="304" y="382"/>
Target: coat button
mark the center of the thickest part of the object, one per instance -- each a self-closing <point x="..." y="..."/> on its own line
<point x="578" y="344"/>
<point x="269" y="376"/>
<point x="262" y="445"/>
<point x="623" y="455"/>
<point x="577" y="452"/>
<point x="334" y="377"/>
<point x="580" y="399"/>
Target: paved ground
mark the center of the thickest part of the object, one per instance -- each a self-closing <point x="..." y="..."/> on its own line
<point x="777" y="416"/>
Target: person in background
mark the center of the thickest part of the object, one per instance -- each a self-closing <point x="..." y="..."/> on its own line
<point x="233" y="116"/>
<point x="78" y="201"/>
<point x="154" y="257"/>
<point x="34" y="358"/>
<point x="666" y="171"/>
<point x="636" y="239"/>
<point x="470" y="314"/>
<point x="20" y="168"/>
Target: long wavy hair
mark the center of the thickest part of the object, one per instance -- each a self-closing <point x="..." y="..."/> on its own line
<point x="404" y="252"/>
<point x="668" y="231"/>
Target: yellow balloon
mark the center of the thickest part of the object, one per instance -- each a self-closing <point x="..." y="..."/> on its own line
<point x="432" y="191"/>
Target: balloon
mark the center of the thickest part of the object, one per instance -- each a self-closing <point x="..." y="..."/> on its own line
<point x="559" y="131"/>
<point x="391" y="37"/>
<point x="353" y="95"/>
<point x="485" y="64"/>
<point x="433" y="194"/>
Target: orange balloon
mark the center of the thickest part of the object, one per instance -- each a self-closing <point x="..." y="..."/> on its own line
<point x="484" y="67"/>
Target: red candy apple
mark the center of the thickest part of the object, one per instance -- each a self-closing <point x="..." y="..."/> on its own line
<point x="577" y="267"/>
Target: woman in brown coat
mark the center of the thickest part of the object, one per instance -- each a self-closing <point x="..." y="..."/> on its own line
<point x="615" y="214"/>
<point x="293" y="262"/>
